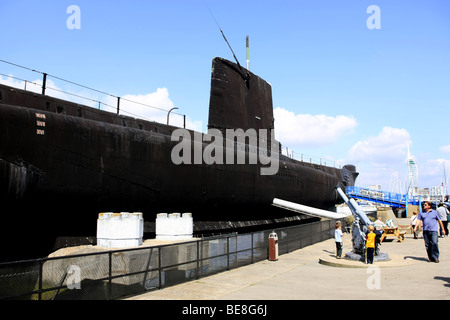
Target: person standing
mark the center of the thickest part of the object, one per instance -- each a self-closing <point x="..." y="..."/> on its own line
<point x="338" y="239"/>
<point x="443" y="212"/>
<point x="379" y="224"/>
<point x="431" y="221"/>
<point x="413" y="224"/>
<point x="370" y="244"/>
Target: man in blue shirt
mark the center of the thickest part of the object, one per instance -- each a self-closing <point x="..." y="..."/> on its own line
<point x="431" y="220"/>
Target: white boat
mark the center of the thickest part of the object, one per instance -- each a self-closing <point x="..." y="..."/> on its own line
<point x="367" y="207"/>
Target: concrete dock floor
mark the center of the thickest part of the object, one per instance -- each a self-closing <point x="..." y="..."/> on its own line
<point x="313" y="273"/>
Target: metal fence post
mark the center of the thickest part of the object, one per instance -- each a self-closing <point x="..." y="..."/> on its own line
<point x="148" y="265"/>
<point x="44" y="83"/>
<point x="321" y="232"/>
<point x="198" y="259"/>
<point x="41" y="263"/>
<point x="253" y="261"/>
<point x="159" y="267"/>
<point x="110" y="277"/>
<point x="228" y="252"/>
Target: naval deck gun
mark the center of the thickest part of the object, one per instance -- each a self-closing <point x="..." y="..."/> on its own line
<point x="360" y="225"/>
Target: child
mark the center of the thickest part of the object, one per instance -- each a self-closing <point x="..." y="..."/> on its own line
<point x="413" y="224"/>
<point x="338" y="238"/>
<point x="370" y="244"/>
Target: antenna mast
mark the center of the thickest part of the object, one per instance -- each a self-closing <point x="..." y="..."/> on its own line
<point x="248" y="60"/>
<point x="245" y="76"/>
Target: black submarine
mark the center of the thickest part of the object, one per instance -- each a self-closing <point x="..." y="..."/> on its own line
<point x="63" y="163"/>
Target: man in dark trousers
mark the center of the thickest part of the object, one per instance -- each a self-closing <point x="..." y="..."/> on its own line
<point x="431" y="220"/>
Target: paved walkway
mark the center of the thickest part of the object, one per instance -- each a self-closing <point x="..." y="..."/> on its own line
<point x="313" y="273"/>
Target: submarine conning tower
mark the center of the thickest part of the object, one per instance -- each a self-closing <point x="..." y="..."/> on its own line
<point x="239" y="99"/>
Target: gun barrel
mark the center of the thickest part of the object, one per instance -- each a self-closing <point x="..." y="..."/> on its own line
<point x="354" y="208"/>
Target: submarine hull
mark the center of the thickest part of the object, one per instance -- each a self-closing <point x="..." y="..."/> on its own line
<point x="62" y="163"/>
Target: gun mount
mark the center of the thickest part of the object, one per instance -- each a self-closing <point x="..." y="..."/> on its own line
<point x="359" y="231"/>
<point x="359" y="226"/>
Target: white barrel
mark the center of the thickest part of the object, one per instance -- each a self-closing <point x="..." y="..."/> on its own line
<point x="174" y="226"/>
<point x="120" y="230"/>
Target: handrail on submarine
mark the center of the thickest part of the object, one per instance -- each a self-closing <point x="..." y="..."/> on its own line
<point x="119" y="99"/>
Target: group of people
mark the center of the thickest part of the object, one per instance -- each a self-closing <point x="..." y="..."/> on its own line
<point x="370" y="242"/>
<point x="433" y="222"/>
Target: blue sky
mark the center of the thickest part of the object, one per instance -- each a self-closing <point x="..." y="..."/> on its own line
<point x="342" y="92"/>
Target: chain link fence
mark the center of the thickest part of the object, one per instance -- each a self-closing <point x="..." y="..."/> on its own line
<point x="120" y="273"/>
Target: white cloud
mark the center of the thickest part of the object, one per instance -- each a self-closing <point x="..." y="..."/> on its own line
<point x="436" y="170"/>
<point x="310" y="130"/>
<point x="154" y="106"/>
<point x="388" y="147"/>
<point x="435" y="167"/>
<point x="151" y="106"/>
<point x="445" y="149"/>
<point x="380" y="157"/>
<point x="33" y="86"/>
<point x="52" y="89"/>
<point x="8" y="81"/>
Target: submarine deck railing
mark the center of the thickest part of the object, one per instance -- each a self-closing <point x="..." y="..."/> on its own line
<point x="302" y="157"/>
<point x="119" y="273"/>
<point x="43" y="86"/>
